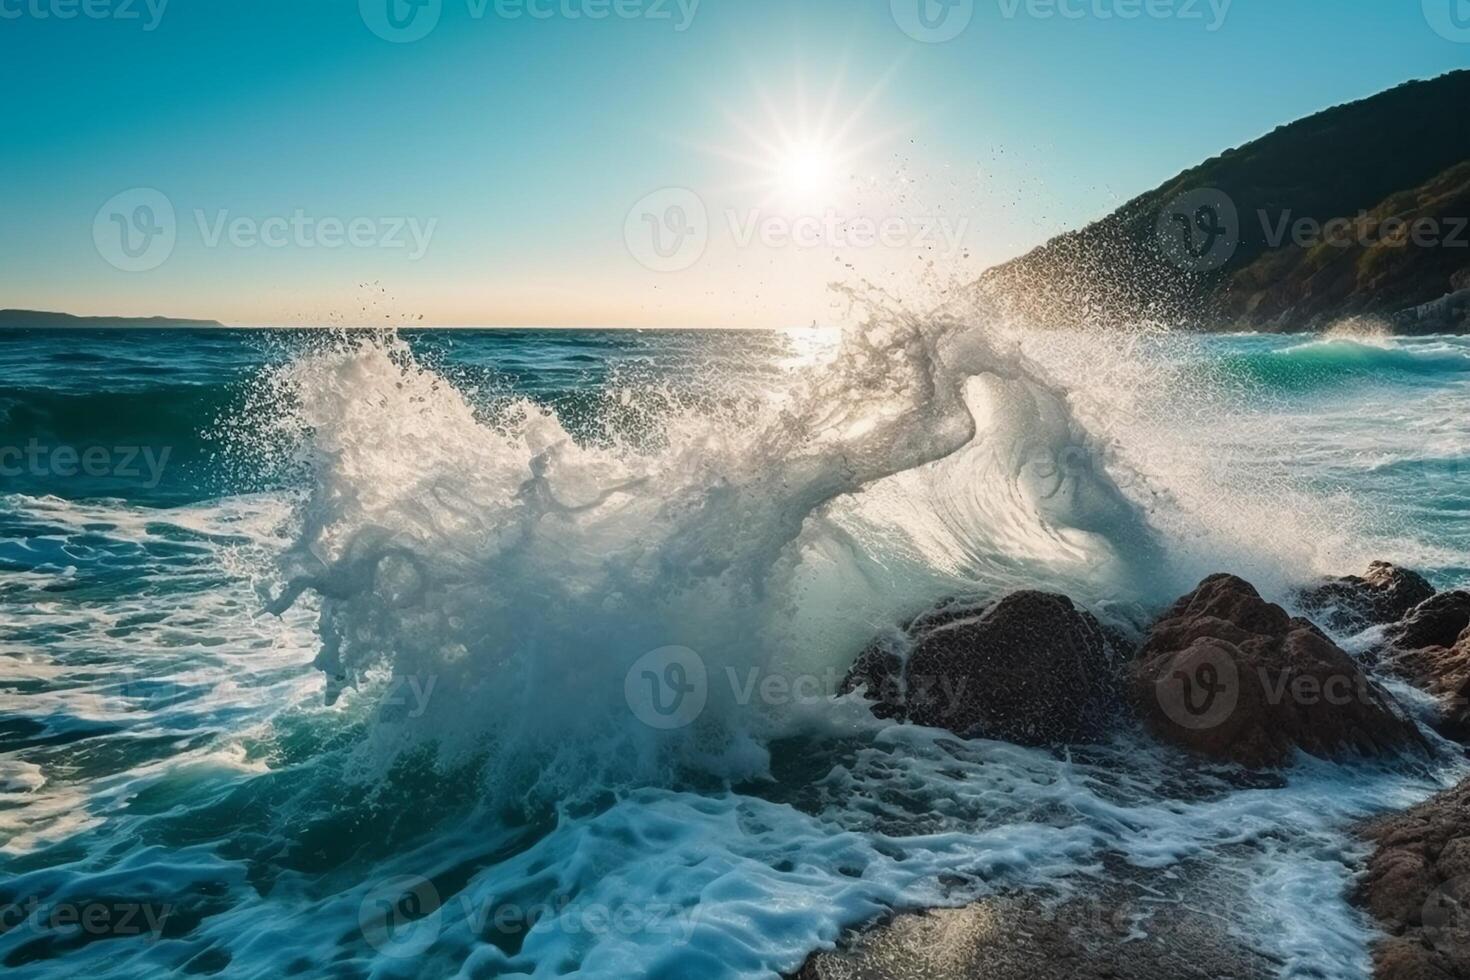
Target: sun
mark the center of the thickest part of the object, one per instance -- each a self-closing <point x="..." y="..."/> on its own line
<point x="807" y="172"/>
<point x="799" y="157"/>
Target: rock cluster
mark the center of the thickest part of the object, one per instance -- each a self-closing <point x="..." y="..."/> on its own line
<point x="1385" y="594"/>
<point x="1223" y="674"/>
<point x="1418" y="888"/>
<point x="1031" y="669"/>
<point x="1430" y="649"/>
<point x="1230" y="676"/>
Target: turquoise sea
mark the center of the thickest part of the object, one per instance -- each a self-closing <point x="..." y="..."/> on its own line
<point x="324" y="654"/>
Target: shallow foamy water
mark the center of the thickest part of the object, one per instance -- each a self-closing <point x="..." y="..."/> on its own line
<point x="469" y="543"/>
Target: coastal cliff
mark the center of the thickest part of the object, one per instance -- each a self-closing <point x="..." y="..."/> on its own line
<point x="1360" y="211"/>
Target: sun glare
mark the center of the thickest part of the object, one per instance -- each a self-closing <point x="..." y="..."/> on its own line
<point x="801" y="157"/>
<point x="807" y="172"/>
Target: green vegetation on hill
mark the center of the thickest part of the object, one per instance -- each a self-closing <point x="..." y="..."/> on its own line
<point x="1329" y="213"/>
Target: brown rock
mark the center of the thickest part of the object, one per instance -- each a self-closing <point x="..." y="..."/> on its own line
<point x="1436" y="622"/>
<point x="1031" y="669"/>
<point x="1430" y="649"/>
<point x="1092" y="937"/>
<point x="1351" y="604"/>
<point x="1418" y="888"/>
<point x="1230" y="676"/>
<point x="1400" y="959"/>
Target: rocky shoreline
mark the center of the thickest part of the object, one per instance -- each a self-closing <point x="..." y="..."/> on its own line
<point x="1023" y="937"/>
<point x="1224" y="675"/>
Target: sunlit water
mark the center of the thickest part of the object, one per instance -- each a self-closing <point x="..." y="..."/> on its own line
<point x="323" y="656"/>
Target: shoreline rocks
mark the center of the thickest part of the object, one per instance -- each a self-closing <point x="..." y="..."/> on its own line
<point x="1031" y="669"/>
<point x="1430" y="649"/>
<point x="1418" y="888"/>
<point x="1224" y="674"/>
<point x="1151" y="928"/>
<point x="1232" y="677"/>
<point x="1384" y="595"/>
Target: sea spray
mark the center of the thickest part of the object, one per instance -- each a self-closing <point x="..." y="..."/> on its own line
<point x="173" y="748"/>
<point x="527" y="571"/>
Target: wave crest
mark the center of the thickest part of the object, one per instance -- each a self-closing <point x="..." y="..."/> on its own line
<point x="525" y="571"/>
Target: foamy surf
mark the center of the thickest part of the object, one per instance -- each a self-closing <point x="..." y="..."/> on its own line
<point x="475" y="568"/>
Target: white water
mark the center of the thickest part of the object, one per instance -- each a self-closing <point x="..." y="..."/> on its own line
<point x="487" y="581"/>
<point x="527" y="573"/>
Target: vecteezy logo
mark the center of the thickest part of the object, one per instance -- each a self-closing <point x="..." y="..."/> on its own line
<point x="668" y="230"/>
<point x="1200" y="688"/>
<point x="400" y="917"/>
<point x="135" y="231"/>
<point x="667" y="688"/>
<point x="401" y="21"/>
<point x="1449" y="18"/>
<point x="1446" y="915"/>
<point x="933" y="21"/>
<point x="1199" y="231"/>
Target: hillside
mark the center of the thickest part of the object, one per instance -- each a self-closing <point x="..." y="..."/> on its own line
<point x="1360" y="175"/>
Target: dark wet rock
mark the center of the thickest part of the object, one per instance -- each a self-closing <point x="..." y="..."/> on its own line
<point x="878" y="670"/>
<point x="1162" y="928"/>
<point x="1430" y="649"/>
<point x="1235" y="678"/>
<point x="1437" y="622"/>
<point x="1386" y="594"/>
<point x="1418" y="888"/>
<point x="1031" y="669"/>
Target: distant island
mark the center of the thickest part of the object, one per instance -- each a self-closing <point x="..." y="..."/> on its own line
<point x="1360" y="211"/>
<point x="40" y="318"/>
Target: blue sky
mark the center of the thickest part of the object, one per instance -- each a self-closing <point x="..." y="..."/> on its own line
<point x="498" y="169"/>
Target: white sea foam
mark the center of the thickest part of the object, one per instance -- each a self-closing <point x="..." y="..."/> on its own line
<point x="512" y="568"/>
<point x="527" y="571"/>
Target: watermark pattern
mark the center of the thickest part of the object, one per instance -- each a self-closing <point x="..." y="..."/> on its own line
<point x="1202" y="230"/>
<point x="938" y="21"/>
<point x="400" y="917"/>
<point x="670" y="688"/>
<point x="404" y="916"/>
<point x="933" y="21"/>
<point x="1199" y="231"/>
<point x="833" y="229"/>
<point x="1200" y="689"/>
<point x="145" y="464"/>
<point x="1365" y="231"/>
<point x="302" y="230"/>
<point x="670" y="230"/>
<point x="138" y="230"/>
<point x="1449" y="18"/>
<point x="667" y="688"/>
<point x="135" y="231"/>
<point x="1204" y="684"/>
<point x="406" y="21"/>
<point x="1446" y="915"/>
<point x="99" y="919"/>
<point x="401" y="21"/>
<point x="147" y="14"/>
<point x="1209" y="13"/>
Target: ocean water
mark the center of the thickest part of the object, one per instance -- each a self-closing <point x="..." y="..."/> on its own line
<point x="512" y="653"/>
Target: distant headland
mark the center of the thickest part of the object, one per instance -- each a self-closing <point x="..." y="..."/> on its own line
<point x="44" y="319"/>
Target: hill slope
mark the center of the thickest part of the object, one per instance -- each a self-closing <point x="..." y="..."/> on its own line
<point x="1256" y="238"/>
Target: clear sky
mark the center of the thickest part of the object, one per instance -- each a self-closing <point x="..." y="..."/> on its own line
<point x="530" y="162"/>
